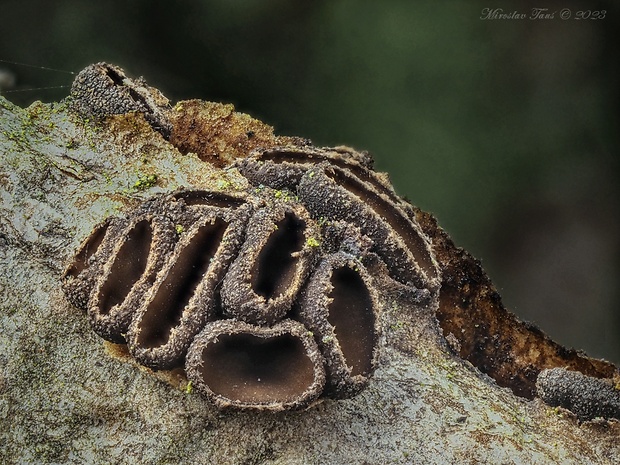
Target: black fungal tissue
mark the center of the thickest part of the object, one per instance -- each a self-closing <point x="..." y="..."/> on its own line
<point x="587" y="397"/>
<point x="263" y="296"/>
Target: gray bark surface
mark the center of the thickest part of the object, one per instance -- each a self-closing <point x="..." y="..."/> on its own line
<point x="68" y="397"/>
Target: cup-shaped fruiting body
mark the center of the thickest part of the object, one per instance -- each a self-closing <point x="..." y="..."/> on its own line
<point x="340" y="306"/>
<point x="78" y="278"/>
<point x="139" y="252"/>
<point x="101" y="89"/>
<point x="182" y="299"/>
<point x="236" y="364"/>
<point x="283" y="167"/>
<point x="278" y="254"/>
<point x="333" y="193"/>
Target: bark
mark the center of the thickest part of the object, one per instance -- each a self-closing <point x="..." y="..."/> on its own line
<point x="68" y="397"/>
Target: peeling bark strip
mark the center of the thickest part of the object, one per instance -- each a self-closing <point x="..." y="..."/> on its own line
<point x="318" y="218"/>
<point x="470" y="309"/>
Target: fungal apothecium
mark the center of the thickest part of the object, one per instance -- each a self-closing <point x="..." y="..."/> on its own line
<point x="264" y="302"/>
<point x="268" y="297"/>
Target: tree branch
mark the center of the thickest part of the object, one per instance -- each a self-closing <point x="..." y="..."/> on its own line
<point x="68" y="397"/>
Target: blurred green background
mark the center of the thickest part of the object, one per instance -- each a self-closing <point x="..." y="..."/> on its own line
<point x="507" y="130"/>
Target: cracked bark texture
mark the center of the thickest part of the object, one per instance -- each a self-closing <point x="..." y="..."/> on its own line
<point x="68" y="397"/>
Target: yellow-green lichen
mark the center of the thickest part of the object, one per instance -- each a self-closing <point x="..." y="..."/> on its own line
<point x="284" y="195"/>
<point x="312" y="242"/>
<point x="223" y="184"/>
<point x="145" y="181"/>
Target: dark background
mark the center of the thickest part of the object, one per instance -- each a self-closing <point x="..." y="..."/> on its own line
<point x="507" y="130"/>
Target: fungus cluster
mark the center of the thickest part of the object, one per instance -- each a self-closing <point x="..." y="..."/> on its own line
<point x="264" y="296"/>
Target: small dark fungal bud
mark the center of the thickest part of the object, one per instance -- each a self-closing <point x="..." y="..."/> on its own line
<point x="340" y="306"/>
<point x="181" y="302"/>
<point x="102" y="90"/>
<point x="235" y="364"/>
<point x="275" y="260"/>
<point x="587" y="397"/>
<point x="334" y="193"/>
<point x="139" y="252"/>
